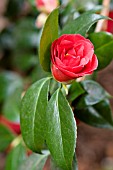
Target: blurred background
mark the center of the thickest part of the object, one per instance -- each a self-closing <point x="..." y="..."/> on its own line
<point x="20" y="30"/>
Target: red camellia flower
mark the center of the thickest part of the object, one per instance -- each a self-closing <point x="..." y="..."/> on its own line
<point x="110" y="23"/>
<point x="46" y="5"/>
<point x="72" y="56"/>
<point x="13" y="126"/>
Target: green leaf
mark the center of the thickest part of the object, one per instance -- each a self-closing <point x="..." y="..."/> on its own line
<point x="75" y="91"/>
<point x="49" y="34"/>
<point x="15" y="158"/>
<point x="12" y="102"/>
<point x="11" y="86"/>
<point x="38" y="73"/>
<point x="21" y="36"/>
<point x="103" y="47"/>
<point x="25" y="62"/>
<point x="32" y="2"/>
<point x="33" y="114"/>
<point x="9" y="83"/>
<point x="6" y="137"/>
<point x="60" y="131"/>
<point x="82" y="24"/>
<point x="34" y="162"/>
<point x="96" y="9"/>
<point x="53" y="166"/>
<point x="95" y="94"/>
<point x="85" y="5"/>
<point x="54" y="85"/>
<point x="98" y="115"/>
<point x="67" y="13"/>
<point x="75" y="167"/>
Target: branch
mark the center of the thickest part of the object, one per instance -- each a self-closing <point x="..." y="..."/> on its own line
<point x="101" y="25"/>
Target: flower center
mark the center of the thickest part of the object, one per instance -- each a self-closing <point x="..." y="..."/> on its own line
<point x="67" y="55"/>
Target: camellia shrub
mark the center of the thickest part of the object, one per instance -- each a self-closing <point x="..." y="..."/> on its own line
<point x="70" y="54"/>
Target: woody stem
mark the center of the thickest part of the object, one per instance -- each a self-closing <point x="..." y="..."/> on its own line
<point x="101" y="25"/>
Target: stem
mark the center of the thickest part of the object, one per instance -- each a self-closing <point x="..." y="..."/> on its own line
<point x="102" y="24"/>
<point x="16" y="141"/>
<point x="80" y="79"/>
<point x="65" y="88"/>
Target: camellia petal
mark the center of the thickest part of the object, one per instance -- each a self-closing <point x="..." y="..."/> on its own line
<point x="72" y="56"/>
<point x="59" y="76"/>
<point x="92" y="65"/>
<point x="46" y="5"/>
<point x="64" y="68"/>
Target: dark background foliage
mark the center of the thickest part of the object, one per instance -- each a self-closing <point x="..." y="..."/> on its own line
<point x="19" y="67"/>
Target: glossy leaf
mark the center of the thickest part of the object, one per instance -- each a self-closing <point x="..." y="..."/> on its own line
<point x="6" y="137"/>
<point x="34" y="162"/>
<point x="75" y="167"/>
<point x="54" y="85"/>
<point x="94" y="94"/>
<point x="32" y="118"/>
<point x="15" y="158"/>
<point x="82" y="24"/>
<point x="49" y="34"/>
<point x="75" y="91"/>
<point x="95" y="90"/>
<point x="97" y="9"/>
<point x="53" y="166"/>
<point x="60" y="131"/>
<point x="85" y="5"/>
<point x="103" y="43"/>
<point x="67" y="13"/>
<point x="98" y="115"/>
